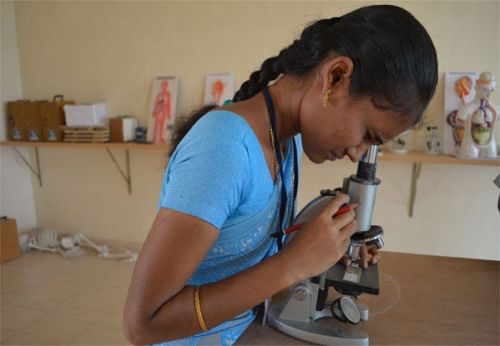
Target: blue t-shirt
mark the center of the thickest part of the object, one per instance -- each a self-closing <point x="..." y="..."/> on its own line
<point x="219" y="174"/>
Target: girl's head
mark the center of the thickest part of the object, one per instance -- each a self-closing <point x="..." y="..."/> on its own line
<point x="394" y="59"/>
<point x="379" y="71"/>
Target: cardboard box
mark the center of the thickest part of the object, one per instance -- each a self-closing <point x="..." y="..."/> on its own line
<point x="9" y="240"/>
<point x="122" y="128"/>
<point x="16" y="125"/>
<point x="53" y="119"/>
<point x="85" y="115"/>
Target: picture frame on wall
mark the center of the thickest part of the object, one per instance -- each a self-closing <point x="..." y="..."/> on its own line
<point x="459" y="89"/>
<point x="219" y="87"/>
<point x="163" y="109"/>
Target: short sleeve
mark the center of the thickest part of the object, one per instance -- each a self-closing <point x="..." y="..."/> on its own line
<point x="206" y="177"/>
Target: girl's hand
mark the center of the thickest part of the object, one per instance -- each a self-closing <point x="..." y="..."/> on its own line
<point x="321" y="242"/>
<point x="367" y="254"/>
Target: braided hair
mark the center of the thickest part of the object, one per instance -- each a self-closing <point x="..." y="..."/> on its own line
<point x="394" y="59"/>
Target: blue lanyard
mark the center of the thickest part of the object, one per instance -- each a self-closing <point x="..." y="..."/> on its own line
<point x="283" y="202"/>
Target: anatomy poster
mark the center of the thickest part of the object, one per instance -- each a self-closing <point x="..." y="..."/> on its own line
<point x="163" y="108"/>
<point x="219" y="87"/>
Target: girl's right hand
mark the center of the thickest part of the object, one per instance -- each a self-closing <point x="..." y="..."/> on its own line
<point x="321" y="242"/>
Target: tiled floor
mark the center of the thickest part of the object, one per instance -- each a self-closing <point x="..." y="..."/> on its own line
<point x="49" y="300"/>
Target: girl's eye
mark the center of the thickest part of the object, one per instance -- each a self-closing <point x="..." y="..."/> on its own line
<point x="369" y="137"/>
<point x="372" y="138"/>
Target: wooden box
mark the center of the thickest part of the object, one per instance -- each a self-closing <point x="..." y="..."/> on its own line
<point x="16" y="125"/>
<point x="52" y="114"/>
<point x="9" y="240"/>
<point x="88" y="134"/>
<point x="33" y="119"/>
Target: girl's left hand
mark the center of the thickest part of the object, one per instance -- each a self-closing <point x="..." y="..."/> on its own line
<point x="367" y="254"/>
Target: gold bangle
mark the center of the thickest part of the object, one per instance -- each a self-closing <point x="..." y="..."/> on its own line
<point x="197" y="308"/>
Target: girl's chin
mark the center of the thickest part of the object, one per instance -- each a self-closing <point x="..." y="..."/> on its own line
<point x="318" y="158"/>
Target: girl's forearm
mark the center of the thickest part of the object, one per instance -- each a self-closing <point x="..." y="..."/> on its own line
<point x="219" y="301"/>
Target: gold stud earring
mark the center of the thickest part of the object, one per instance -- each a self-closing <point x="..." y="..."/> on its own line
<point x="326" y="96"/>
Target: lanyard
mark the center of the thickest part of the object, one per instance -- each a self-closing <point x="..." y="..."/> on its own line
<point x="277" y="150"/>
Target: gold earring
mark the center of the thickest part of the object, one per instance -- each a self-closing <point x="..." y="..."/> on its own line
<point x="326" y="96"/>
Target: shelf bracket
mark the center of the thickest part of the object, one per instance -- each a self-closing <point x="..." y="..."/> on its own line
<point x="36" y="172"/>
<point x="125" y="175"/>
<point x="415" y="174"/>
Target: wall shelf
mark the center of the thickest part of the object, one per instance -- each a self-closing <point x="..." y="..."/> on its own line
<point x="110" y="145"/>
<point x="421" y="157"/>
<point x="412" y="156"/>
<point x="125" y="173"/>
<point x="417" y="158"/>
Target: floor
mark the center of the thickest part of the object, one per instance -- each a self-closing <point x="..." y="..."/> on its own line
<point x="49" y="300"/>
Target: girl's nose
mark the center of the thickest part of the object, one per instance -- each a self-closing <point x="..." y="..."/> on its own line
<point x="355" y="153"/>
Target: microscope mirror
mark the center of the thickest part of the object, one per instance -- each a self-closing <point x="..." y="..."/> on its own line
<point x="350" y="310"/>
<point x="345" y="310"/>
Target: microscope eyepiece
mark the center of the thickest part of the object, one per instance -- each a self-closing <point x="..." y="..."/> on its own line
<point x="367" y="166"/>
<point x="371" y="155"/>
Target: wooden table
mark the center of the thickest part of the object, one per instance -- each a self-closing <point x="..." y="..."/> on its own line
<point x="424" y="300"/>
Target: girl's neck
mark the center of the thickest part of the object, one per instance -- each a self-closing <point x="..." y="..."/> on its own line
<point x="287" y="94"/>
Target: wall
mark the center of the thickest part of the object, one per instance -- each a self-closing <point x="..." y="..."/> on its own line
<point x="94" y="51"/>
<point x="16" y="192"/>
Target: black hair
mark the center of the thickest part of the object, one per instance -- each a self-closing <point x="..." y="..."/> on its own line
<point x="394" y="59"/>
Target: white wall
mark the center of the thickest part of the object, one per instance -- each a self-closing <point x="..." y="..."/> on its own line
<point x="16" y="192"/>
<point x="93" y="51"/>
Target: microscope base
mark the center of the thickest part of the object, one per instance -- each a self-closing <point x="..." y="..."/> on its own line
<point x="314" y="332"/>
<point x="306" y="303"/>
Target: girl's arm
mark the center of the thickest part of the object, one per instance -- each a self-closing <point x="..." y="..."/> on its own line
<point x="160" y="307"/>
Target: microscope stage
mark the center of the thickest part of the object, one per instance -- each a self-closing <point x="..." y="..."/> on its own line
<point x="368" y="283"/>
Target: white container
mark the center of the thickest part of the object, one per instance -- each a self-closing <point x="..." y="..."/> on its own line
<point x="129" y="124"/>
<point x="85" y="114"/>
<point x="432" y="142"/>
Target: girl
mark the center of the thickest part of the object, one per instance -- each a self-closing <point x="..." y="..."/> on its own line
<point x="209" y="259"/>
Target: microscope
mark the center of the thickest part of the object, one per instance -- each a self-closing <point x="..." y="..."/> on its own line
<point x="307" y="302"/>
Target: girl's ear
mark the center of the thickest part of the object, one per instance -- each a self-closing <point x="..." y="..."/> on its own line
<point x="336" y="72"/>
